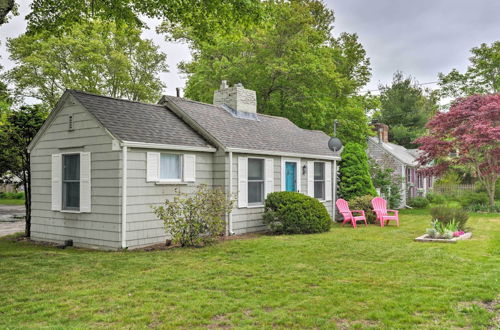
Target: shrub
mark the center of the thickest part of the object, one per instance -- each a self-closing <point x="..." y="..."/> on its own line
<point x="473" y="198"/>
<point x="435" y="198"/>
<point x="388" y="183"/>
<point x="418" y="202"/>
<point x="195" y="219"/>
<point x="294" y="213"/>
<point x="446" y="215"/>
<point x="364" y="203"/>
<point x="354" y="173"/>
<point x="12" y="195"/>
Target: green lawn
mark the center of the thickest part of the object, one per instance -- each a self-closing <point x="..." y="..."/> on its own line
<point x="365" y="277"/>
<point x="11" y="201"/>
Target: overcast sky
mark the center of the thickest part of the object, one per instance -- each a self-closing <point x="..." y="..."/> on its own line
<point x="420" y="38"/>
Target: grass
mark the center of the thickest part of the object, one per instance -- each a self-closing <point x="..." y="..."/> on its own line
<point x="4" y="201"/>
<point x="347" y="278"/>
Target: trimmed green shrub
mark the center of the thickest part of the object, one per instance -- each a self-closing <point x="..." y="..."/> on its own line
<point x="354" y="173"/>
<point x="435" y="198"/>
<point x="364" y="203"/>
<point x="446" y="214"/>
<point x="294" y="213"/>
<point x="12" y="195"/>
<point x="418" y="202"/>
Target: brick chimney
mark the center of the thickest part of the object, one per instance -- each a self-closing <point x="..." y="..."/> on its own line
<point x="382" y="131"/>
<point x="237" y="97"/>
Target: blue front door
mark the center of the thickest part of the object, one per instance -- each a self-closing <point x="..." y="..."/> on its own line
<point x="290" y="176"/>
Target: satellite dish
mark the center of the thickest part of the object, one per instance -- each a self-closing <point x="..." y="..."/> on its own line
<point x="335" y="144"/>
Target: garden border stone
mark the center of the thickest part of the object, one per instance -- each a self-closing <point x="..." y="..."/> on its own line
<point x="426" y="238"/>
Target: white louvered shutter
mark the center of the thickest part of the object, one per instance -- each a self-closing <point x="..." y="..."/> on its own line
<point x="85" y="187"/>
<point x="269" y="179"/>
<point x="242" y="182"/>
<point x="56" y="182"/>
<point x="310" y="178"/>
<point x="153" y="167"/>
<point x="328" y="181"/>
<point x="189" y="164"/>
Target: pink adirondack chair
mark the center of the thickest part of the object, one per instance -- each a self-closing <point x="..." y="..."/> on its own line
<point x="343" y="207"/>
<point x="380" y="208"/>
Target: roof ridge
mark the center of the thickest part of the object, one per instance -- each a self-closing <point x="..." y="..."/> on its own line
<point x="189" y="100"/>
<point x="112" y="98"/>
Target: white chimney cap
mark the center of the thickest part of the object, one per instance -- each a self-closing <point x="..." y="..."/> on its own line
<point x="223" y="84"/>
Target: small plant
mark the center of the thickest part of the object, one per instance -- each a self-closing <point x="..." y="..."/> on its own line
<point x="444" y="230"/>
<point x="294" y="213"/>
<point x="195" y="219"/>
<point x="418" y="202"/>
<point x="364" y="203"/>
<point x="446" y="214"/>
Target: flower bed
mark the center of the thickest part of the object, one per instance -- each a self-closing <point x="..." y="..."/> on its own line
<point x="427" y="238"/>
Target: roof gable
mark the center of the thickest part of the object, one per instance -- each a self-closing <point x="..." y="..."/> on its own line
<point x="404" y="155"/>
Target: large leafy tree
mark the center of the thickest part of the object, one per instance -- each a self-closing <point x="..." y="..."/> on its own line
<point x="6" y="6"/>
<point x="292" y="61"/>
<point x="95" y="56"/>
<point x="354" y="173"/>
<point x="201" y="16"/>
<point x="470" y="130"/>
<point x="16" y="134"/>
<point x="405" y="107"/>
<point x="481" y="77"/>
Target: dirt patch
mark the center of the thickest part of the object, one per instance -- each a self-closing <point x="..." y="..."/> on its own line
<point x="491" y="306"/>
<point x="220" y="321"/>
<point x="344" y="324"/>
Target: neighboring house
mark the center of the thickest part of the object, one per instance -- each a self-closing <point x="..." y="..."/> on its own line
<point x="99" y="164"/>
<point x="403" y="161"/>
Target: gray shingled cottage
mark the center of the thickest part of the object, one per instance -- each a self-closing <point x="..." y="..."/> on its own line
<point x="98" y="164"/>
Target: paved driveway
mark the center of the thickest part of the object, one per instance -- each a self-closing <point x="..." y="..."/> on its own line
<point x="8" y="222"/>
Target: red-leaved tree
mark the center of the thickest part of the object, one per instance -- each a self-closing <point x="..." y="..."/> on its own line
<point x="471" y="130"/>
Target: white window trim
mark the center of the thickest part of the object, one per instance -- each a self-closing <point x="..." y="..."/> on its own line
<point x="298" y="173"/>
<point x="324" y="181"/>
<point x="259" y="204"/>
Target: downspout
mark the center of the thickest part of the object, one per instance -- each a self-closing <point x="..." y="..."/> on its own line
<point x="334" y="199"/>
<point x="230" y="190"/>
<point x="124" y="197"/>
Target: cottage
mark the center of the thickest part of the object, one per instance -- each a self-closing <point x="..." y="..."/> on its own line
<point x="403" y="161"/>
<point x="99" y="164"/>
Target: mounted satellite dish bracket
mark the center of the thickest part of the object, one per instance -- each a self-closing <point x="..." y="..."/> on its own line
<point x="335" y="144"/>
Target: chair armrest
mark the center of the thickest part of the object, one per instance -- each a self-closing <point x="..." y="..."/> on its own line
<point x="395" y="211"/>
<point x="359" y="211"/>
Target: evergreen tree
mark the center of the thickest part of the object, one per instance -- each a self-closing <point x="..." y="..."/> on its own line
<point x="354" y="173"/>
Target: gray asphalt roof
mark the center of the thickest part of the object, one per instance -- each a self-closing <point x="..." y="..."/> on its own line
<point x="139" y="122"/>
<point x="400" y="152"/>
<point x="268" y="133"/>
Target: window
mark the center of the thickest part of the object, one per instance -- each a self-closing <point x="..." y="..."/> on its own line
<point x="71" y="182"/>
<point x="170" y="167"/>
<point x="255" y="181"/>
<point x="319" y="180"/>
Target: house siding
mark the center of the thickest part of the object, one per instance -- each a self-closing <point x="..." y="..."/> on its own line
<point x="250" y="219"/>
<point x="101" y="227"/>
<point x="143" y="227"/>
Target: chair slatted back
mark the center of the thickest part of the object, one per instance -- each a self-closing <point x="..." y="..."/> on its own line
<point x="343" y="207"/>
<point x="379" y="205"/>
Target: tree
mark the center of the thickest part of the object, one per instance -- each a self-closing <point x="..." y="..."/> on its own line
<point x="387" y="182"/>
<point x="470" y="130"/>
<point x="5" y="102"/>
<point x="354" y="173"/>
<point x="201" y="16"/>
<point x="481" y="77"/>
<point x="292" y="61"/>
<point x="6" y="6"/>
<point x="97" y="57"/>
<point x="17" y="133"/>
<point x="405" y="107"/>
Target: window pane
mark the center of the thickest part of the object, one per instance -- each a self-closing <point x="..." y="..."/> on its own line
<point x="255" y="192"/>
<point x="71" y="195"/>
<point x="170" y="167"/>
<point x="319" y="189"/>
<point x="319" y="171"/>
<point x="255" y="169"/>
<point x="71" y="167"/>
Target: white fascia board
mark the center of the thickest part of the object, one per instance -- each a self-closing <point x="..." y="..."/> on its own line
<point x="284" y="154"/>
<point x="166" y="146"/>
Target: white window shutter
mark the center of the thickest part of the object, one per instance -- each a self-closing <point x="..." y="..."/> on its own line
<point x="328" y="181"/>
<point x="269" y="179"/>
<point x="242" y="182"/>
<point x="310" y="178"/>
<point x="189" y="167"/>
<point x="153" y="167"/>
<point x="56" y="182"/>
<point x="85" y="187"/>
